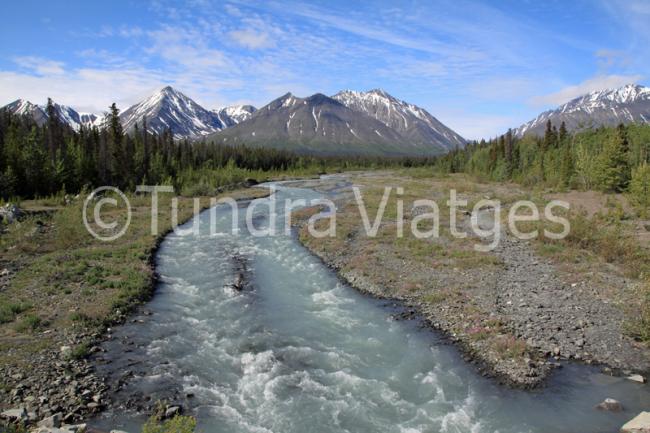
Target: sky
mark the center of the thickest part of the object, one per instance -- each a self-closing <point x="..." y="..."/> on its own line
<point x="480" y="67"/>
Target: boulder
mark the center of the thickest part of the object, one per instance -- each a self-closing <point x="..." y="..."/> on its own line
<point x="53" y="421"/>
<point x="639" y="424"/>
<point x="610" y="405"/>
<point x="636" y="378"/>
<point x="15" y="414"/>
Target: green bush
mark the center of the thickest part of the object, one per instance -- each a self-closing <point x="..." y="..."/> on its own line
<point x="8" y="311"/>
<point x="30" y="322"/>
<point x="640" y="189"/>
<point x="178" y="424"/>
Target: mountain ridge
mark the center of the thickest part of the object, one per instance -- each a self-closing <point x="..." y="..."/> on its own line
<point x="607" y="107"/>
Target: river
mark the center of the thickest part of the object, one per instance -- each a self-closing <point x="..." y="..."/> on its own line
<point x="299" y="351"/>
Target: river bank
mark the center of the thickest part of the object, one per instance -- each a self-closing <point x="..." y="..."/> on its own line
<point x="75" y="290"/>
<point x="510" y="311"/>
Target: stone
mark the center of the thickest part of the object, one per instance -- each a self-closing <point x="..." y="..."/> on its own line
<point x="118" y="431"/>
<point x="10" y="213"/>
<point x="172" y="411"/>
<point x="53" y="421"/>
<point x="639" y="424"/>
<point x="15" y="414"/>
<point x="636" y="378"/>
<point x="610" y="405"/>
<point x="66" y="351"/>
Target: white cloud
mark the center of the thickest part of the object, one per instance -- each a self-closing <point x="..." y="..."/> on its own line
<point x="600" y="82"/>
<point x="252" y="39"/>
<point x="90" y="90"/>
<point x="40" y="65"/>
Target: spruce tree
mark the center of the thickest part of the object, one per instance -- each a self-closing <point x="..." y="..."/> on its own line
<point x="613" y="167"/>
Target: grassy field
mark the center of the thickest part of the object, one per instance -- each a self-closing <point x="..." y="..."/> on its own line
<point x="58" y="280"/>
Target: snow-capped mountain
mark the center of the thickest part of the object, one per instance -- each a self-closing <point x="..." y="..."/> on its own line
<point x="169" y="108"/>
<point x="321" y="125"/>
<point x="65" y="114"/>
<point x="411" y="121"/>
<point x="230" y="116"/>
<point x="627" y="104"/>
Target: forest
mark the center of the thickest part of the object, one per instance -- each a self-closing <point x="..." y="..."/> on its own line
<point x="39" y="161"/>
<point x="608" y="159"/>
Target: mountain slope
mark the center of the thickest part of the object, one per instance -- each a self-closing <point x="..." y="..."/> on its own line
<point x="230" y="116"/>
<point x="66" y="114"/>
<point x="627" y="104"/>
<point x="318" y="124"/>
<point x="169" y="108"/>
<point x="412" y="122"/>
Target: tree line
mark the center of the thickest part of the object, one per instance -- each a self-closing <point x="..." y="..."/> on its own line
<point x="609" y="159"/>
<point x="52" y="158"/>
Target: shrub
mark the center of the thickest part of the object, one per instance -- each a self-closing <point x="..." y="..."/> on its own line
<point x="80" y="351"/>
<point x="30" y="322"/>
<point x="8" y="311"/>
<point x="178" y="424"/>
<point x="640" y="189"/>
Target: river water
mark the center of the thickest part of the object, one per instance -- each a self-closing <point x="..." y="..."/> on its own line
<point x="299" y="351"/>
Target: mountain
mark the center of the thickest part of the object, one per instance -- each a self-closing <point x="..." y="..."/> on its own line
<point x="627" y="104"/>
<point x="39" y="113"/>
<point x="169" y="108"/>
<point x="319" y="125"/>
<point x="230" y="116"/>
<point x="412" y="122"/>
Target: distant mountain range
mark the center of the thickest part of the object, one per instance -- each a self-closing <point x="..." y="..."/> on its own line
<point x="370" y="123"/>
<point x="39" y="113"/>
<point x="627" y="104"/>
<point x="349" y="122"/>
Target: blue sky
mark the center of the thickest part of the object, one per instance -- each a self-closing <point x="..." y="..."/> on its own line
<point x="479" y="66"/>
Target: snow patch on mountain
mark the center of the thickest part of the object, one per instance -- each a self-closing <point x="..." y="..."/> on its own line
<point x="627" y="104"/>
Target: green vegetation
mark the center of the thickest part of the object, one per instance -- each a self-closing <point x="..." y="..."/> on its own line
<point x="605" y="159"/>
<point x="37" y="161"/>
<point x="9" y="310"/>
<point x="30" y="322"/>
<point x="640" y="188"/>
<point x="178" y="424"/>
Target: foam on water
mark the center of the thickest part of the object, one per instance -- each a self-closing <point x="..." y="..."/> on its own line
<point x="301" y="352"/>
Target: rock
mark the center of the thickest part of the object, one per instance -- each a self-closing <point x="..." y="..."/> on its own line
<point x="118" y="431"/>
<point x="610" y="405"/>
<point x="172" y="411"/>
<point x="53" y="421"/>
<point x="66" y="351"/>
<point x="639" y="424"/>
<point x="636" y="378"/>
<point x="78" y="428"/>
<point x="10" y="213"/>
<point x="15" y="414"/>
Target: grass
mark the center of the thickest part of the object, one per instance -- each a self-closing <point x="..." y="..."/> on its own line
<point x="62" y="277"/>
<point x="29" y="323"/>
<point x="602" y="237"/>
<point x="9" y="310"/>
<point x="509" y="347"/>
